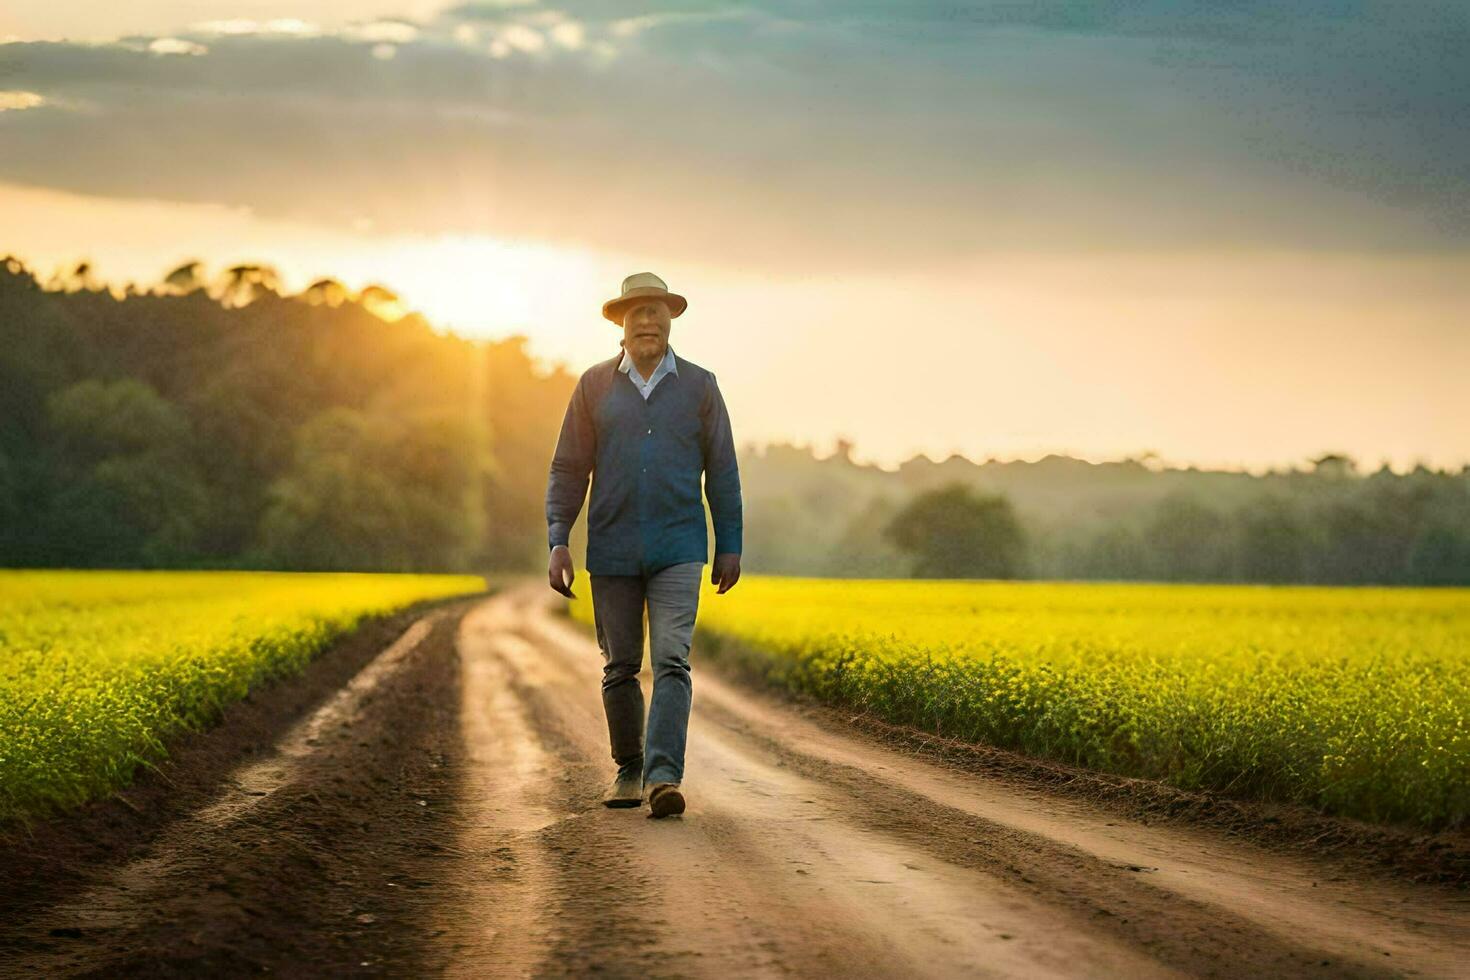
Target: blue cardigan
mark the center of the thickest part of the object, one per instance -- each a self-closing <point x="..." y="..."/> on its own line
<point x="645" y="458"/>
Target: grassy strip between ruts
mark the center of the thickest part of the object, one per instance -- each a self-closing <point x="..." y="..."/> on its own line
<point x="1350" y="700"/>
<point x="97" y="669"/>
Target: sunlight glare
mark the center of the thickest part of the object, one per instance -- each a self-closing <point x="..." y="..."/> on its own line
<point x="476" y="284"/>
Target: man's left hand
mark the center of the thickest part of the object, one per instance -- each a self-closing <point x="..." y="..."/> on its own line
<point x="725" y="572"/>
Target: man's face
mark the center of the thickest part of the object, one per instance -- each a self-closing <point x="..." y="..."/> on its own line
<point x="646" y="329"/>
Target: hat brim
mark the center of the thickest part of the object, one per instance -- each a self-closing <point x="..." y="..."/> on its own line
<point x="613" y="309"/>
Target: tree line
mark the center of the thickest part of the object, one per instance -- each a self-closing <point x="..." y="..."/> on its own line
<point x="217" y="422"/>
<point x="1060" y="518"/>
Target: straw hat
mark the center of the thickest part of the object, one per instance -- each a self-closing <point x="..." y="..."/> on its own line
<point x="642" y="285"/>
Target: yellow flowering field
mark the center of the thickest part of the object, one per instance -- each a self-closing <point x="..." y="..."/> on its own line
<point x="1352" y="700"/>
<point x="98" y="668"/>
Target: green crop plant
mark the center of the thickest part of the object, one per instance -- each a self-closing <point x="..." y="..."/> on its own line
<point x="1350" y="700"/>
<point x="98" y="669"/>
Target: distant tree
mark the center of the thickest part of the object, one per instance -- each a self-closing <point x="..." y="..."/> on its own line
<point x="862" y="549"/>
<point x="41" y="349"/>
<point x="772" y="531"/>
<point x="244" y="283"/>
<point x="1117" y="550"/>
<point x="1440" y="555"/>
<point x="185" y="279"/>
<point x="243" y="423"/>
<point x="1148" y="459"/>
<point x="382" y="302"/>
<point x="1187" y="541"/>
<point x="1335" y="466"/>
<point x="124" y="491"/>
<point x="80" y="277"/>
<point x="374" y="492"/>
<point x="1368" y="536"/>
<point x="10" y="509"/>
<point x="1440" y="552"/>
<point x="1273" y="542"/>
<point x="94" y="419"/>
<point x="955" y="532"/>
<point x="523" y="409"/>
<point x="326" y="290"/>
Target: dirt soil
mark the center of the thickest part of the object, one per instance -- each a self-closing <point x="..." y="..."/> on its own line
<point x="424" y="801"/>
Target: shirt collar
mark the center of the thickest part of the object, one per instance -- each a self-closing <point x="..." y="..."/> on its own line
<point x="667" y="365"/>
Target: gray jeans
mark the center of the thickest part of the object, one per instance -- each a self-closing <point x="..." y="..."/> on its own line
<point x="672" y="598"/>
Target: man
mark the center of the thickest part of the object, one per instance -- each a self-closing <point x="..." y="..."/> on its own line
<point x="646" y="423"/>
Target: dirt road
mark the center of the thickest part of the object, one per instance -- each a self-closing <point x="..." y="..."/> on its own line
<point x="438" y="815"/>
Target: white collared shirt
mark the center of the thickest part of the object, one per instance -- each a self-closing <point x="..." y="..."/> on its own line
<point x="665" y="366"/>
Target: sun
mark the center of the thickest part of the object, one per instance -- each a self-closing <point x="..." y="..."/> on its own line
<point x="479" y="285"/>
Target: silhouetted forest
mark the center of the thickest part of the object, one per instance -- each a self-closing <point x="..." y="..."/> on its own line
<point x="215" y="422"/>
<point x="219" y="423"/>
<point x="1324" y="522"/>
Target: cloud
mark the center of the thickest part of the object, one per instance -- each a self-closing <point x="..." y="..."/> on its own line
<point x="16" y="101"/>
<point x="174" y="45"/>
<point x="286" y="25"/>
<point x="624" y="27"/>
<point x="487" y="9"/>
<point x="517" y="37"/>
<point x="790" y="134"/>
<point x="392" y="31"/>
<point x="569" y="34"/>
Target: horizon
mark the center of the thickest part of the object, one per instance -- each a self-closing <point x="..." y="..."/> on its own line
<point x="1234" y="242"/>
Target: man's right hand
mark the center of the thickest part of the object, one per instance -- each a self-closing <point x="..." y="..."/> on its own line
<point x="559" y="571"/>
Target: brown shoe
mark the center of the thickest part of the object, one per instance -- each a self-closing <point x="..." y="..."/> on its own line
<point x="665" y="800"/>
<point x="625" y="791"/>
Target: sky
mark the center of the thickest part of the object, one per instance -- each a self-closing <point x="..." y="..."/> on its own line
<point x="1231" y="234"/>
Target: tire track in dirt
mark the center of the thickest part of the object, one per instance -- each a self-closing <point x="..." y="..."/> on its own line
<point x="659" y="904"/>
<point x="563" y="881"/>
<point x="317" y="859"/>
<point x="775" y="879"/>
